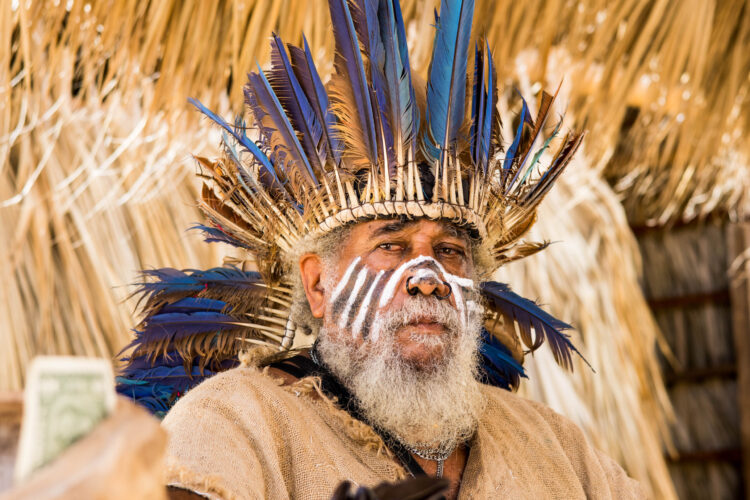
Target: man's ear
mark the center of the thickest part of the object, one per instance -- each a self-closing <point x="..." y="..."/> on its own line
<point x="311" y="269"/>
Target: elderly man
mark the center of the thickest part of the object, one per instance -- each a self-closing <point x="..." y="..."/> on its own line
<point x="373" y="347"/>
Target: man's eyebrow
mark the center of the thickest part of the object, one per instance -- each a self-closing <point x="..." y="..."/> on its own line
<point x="391" y="227"/>
<point x="399" y="225"/>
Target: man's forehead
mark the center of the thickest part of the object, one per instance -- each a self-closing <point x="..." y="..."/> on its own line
<point x="379" y="227"/>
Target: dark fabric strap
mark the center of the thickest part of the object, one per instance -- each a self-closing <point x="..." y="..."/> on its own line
<point x="301" y="366"/>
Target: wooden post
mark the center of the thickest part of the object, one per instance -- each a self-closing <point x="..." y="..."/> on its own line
<point x="738" y="248"/>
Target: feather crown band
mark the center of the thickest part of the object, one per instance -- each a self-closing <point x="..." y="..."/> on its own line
<point x="366" y="146"/>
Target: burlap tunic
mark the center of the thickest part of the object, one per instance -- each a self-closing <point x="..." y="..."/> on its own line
<point x="243" y="435"/>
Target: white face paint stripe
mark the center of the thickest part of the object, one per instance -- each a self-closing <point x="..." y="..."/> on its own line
<point x="364" y="306"/>
<point x="352" y="296"/>
<point x="425" y="273"/>
<point x="464" y="282"/>
<point x="390" y="286"/>
<point x="344" y="280"/>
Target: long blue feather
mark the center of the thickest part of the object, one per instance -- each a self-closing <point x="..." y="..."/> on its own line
<point x="295" y="102"/>
<point x="309" y="79"/>
<point x="367" y="25"/>
<point x="142" y="362"/>
<point x="446" y="85"/>
<point x="171" y="326"/>
<point x="392" y="56"/>
<point x="479" y="95"/>
<point x="349" y="65"/>
<point x="243" y="139"/>
<point x="169" y="281"/>
<point x="213" y="234"/>
<point x="407" y="103"/>
<point x="269" y="101"/>
<point x="510" y="155"/>
<point x="190" y="304"/>
<point x="528" y="316"/>
<point x="498" y="366"/>
<point x="490" y="111"/>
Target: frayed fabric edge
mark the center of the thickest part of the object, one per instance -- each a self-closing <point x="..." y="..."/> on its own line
<point x="208" y="486"/>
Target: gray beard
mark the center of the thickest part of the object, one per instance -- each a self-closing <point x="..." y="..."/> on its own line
<point x="435" y="406"/>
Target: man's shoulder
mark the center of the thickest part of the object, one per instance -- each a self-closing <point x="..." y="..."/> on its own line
<point x="528" y="430"/>
<point x="515" y="405"/>
<point x="237" y="387"/>
<point x="514" y="416"/>
<point x="507" y="401"/>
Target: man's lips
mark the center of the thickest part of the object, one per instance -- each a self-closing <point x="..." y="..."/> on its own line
<point x="425" y="326"/>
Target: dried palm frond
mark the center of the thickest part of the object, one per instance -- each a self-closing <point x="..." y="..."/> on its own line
<point x="663" y="86"/>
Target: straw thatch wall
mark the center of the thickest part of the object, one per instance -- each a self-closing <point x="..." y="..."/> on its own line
<point x="95" y="182"/>
<point x="687" y="284"/>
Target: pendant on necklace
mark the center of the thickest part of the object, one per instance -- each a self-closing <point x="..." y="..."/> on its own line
<point x="439" y="472"/>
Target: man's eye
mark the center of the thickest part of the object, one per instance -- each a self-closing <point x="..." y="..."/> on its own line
<point x="389" y="247"/>
<point x="450" y="251"/>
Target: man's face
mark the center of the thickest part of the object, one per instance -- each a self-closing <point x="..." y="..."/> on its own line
<point x="411" y="277"/>
<point x="401" y="327"/>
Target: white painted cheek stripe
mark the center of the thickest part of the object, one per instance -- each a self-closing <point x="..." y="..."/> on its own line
<point x="364" y="306"/>
<point x="344" y="280"/>
<point x="456" y="283"/>
<point x="452" y="278"/>
<point x="352" y="296"/>
<point x="459" y="303"/>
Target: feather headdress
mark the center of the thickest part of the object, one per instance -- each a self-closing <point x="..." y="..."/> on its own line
<point x="358" y="148"/>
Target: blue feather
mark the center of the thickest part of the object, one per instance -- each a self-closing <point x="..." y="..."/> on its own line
<point x="213" y="234"/>
<point x="479" y="95"/>
<point x="143" y="362"/>
<point x="267" y="99"/>
<point x="499" y="368"/>
<point x="409" y="111"/>
<point x="168" y="281"/>
<point x="528" y="316"/>
<point x="446" y="85"/>
<point x="309" y="79"/>
<point x="243" y="139"/>
<point x="156" y="398"/>
<point x="490" y="111"/>
<point x="510" y="155"/>
<point x="171" y="326"/>
<point x="159" y="371"/>
<point x="366" y="23"/>
<point x="158" y="384"/>
<point x="189" y="304"/>
<point x="349" y="65"/>
<point x="400" y="106"/>
<point x="295" y="102"/>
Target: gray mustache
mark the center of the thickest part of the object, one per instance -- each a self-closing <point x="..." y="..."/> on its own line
<point x="422" y="308"/>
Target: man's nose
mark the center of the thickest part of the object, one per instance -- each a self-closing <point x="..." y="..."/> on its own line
<point x="427" y="283"/>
